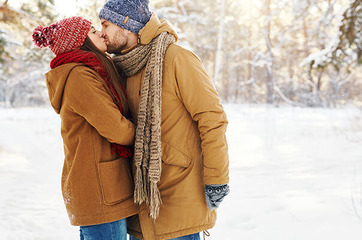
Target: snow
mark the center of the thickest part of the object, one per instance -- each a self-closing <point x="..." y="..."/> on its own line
<point x="295" y="173"/>
<point x="322" y="57"/>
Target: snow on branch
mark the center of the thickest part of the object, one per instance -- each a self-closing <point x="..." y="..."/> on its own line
<point x="9" y="14"/>
<point x="285" y="99"/>
<point x="346" y="47"/>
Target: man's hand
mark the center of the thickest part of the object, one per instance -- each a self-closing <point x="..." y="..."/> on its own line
<point x="215" y="194"/>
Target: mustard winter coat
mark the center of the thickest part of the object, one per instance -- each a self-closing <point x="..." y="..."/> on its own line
<point x="194" y="147"/>
<point x="97" y="185"/>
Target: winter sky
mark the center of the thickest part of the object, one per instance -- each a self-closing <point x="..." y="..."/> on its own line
<point x="64" y="7"/>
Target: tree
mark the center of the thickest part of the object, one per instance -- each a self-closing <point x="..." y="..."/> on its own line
<point x="342" y="53"/>
<point x="22" y="79"/>
<point x="301" y="52"/>
<point x="269" y="55"/>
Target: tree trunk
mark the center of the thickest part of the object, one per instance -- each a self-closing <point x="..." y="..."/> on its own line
<point x="226" y="79"/>
<point x="238" y="87"/>
<point x="218" y="57"/>
<point x="307" y="53"/>
<point x="269" y="66"/>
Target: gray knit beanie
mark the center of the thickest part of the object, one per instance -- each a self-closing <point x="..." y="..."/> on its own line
<point x="128" y="14"/>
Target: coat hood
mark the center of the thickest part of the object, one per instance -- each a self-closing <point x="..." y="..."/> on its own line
<point x="56" y="80"/>
<point x="155" y="27"/>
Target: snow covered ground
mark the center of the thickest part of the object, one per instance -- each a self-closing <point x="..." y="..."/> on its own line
<point x="294" y="174"/>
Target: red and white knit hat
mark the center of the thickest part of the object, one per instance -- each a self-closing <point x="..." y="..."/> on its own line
<point x="63" y="36"/>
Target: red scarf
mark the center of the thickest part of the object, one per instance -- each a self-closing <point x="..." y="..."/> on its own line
<point x="91" y="61"/>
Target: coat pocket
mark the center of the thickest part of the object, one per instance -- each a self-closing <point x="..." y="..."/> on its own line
<point x="172" y="156"/>
<point x="116" y="181"/>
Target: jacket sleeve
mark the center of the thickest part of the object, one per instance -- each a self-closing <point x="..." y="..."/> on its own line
<point x="201" y="100"/>
<point x="89" y="98"/>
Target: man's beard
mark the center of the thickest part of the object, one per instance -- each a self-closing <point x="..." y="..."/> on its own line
<point x="117" y="43"/>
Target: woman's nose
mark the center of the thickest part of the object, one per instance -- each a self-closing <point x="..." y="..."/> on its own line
<point x="102" y="34"/>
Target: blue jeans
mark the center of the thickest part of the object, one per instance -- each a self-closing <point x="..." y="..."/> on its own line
<point x="195" y="236"/>
<point x="107" y="231"/>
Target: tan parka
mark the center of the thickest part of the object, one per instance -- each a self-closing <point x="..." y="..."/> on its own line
<point x="194" y="147"/>
<point x="97" y="185"/>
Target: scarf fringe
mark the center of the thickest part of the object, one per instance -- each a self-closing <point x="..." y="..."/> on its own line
<point x="156" y="201"/>
<point x="139" y="195"/>
<point x="123" y="151"/>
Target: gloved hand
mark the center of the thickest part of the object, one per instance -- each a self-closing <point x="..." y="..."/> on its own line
<point x="215" y="194"/>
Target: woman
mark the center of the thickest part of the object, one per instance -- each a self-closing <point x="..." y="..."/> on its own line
<point x="84" y="88"/>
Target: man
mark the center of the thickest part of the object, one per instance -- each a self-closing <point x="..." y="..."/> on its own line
<point x="179" y="119"/>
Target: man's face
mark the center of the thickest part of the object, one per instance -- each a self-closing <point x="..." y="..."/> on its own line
<point x="115" y="37"/>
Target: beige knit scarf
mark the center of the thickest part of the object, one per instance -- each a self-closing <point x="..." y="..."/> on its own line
<point x="147" y="155"/>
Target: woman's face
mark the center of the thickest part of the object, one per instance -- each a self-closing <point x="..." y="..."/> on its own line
<point x="97" y="40"/>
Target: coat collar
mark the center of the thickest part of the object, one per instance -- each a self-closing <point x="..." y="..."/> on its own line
<point x="152" y="29"/>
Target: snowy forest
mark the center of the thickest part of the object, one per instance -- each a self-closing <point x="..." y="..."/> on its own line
<point x="289" y="75"/>
<point x="287" y="52"/>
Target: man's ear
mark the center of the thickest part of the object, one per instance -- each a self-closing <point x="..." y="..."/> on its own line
<point x="131" y="35"/>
